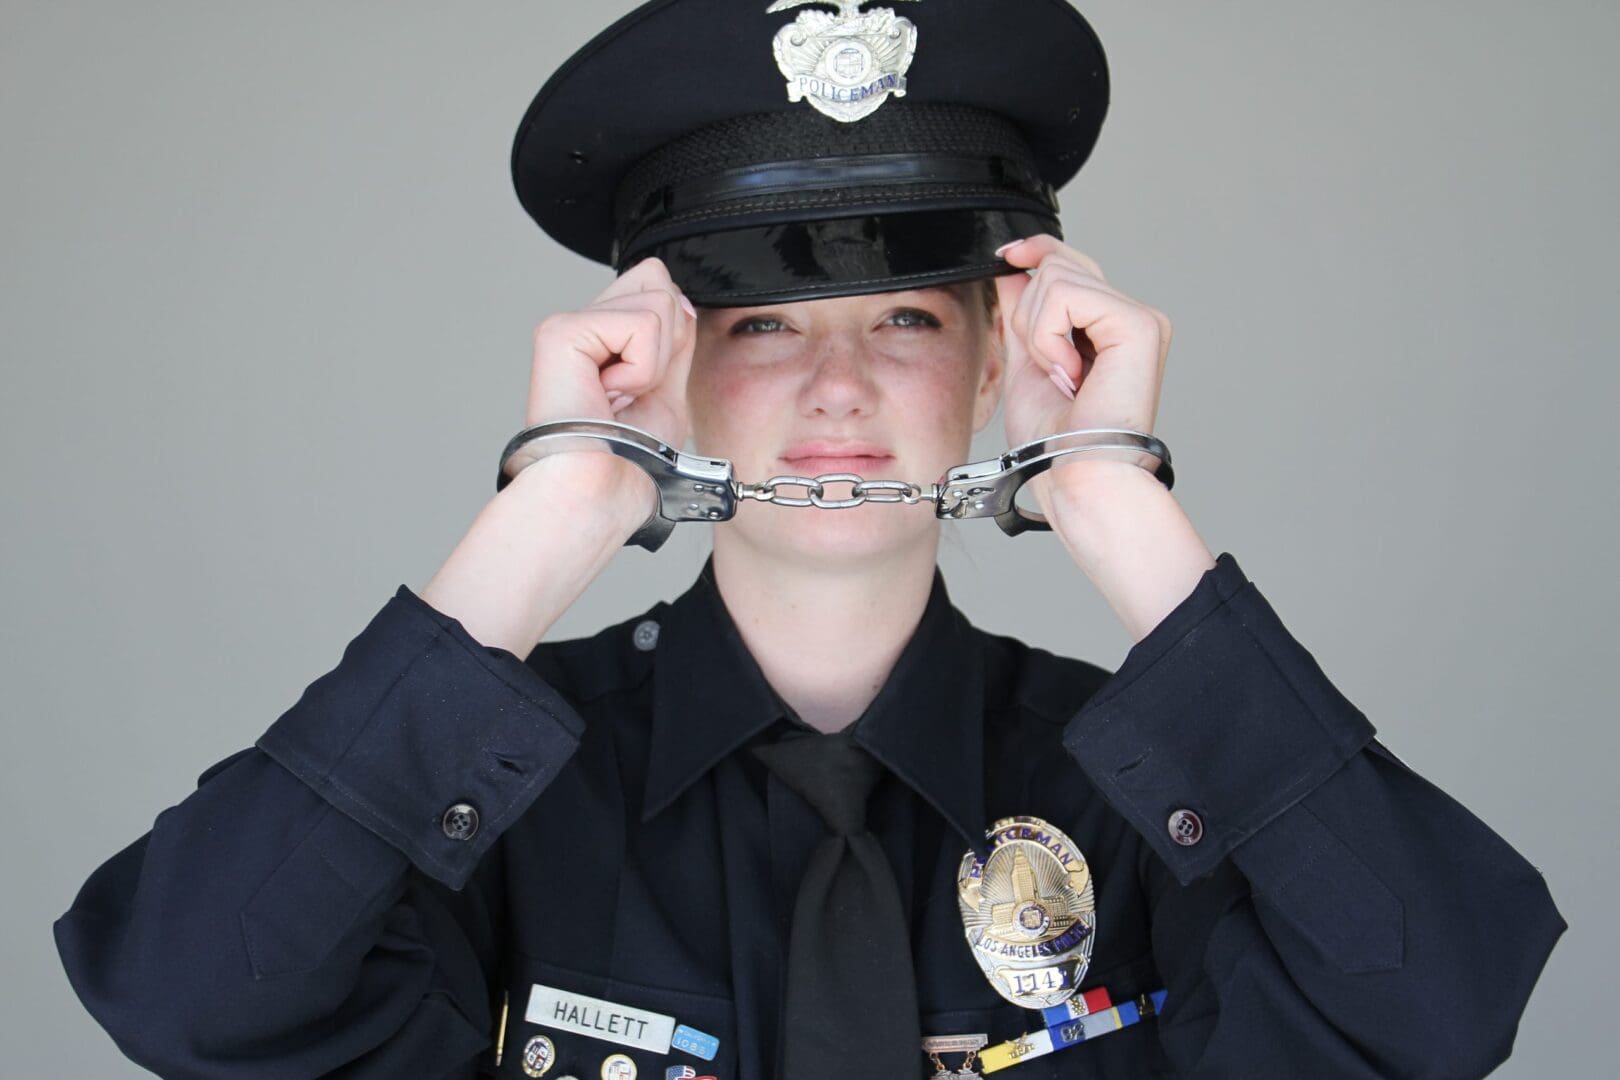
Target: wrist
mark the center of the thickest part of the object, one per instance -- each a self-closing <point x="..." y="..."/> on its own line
<point x="536" y="546"/>
<point x="1129" y="536"/>
<point x="1089" y="492"/>
<point x="604" y="496"/>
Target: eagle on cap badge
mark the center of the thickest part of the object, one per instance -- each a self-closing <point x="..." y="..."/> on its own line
<point x="844" y="65"/>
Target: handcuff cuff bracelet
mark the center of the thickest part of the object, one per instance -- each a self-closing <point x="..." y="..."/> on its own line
<point x="694" y="488"/>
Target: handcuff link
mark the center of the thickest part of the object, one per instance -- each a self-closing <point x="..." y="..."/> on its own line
<point x="695" y="488"/>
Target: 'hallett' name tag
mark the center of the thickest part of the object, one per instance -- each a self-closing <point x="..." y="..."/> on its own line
<point x="568" y="1011"/>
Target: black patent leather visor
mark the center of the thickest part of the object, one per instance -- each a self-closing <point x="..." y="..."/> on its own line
<point x="789" y="261"/>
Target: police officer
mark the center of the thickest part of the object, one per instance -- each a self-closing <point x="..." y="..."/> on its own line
<point x="806" y="820"/>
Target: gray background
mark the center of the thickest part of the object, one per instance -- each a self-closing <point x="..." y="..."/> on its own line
<point x="266" y="295"/>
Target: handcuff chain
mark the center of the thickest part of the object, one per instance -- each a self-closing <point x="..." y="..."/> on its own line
<point x="861" y="491"/>
<point x="692" y="488"/>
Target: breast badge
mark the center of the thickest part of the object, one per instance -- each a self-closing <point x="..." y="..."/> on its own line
<point x="539" y="1055"/>
<point x="1029" y="912"/>
<point x="844" y="65"/>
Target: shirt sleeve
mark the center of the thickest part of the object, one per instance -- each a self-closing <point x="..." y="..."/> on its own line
<point x="426" y="737"/>
<point x="1319" y="908"/>
<point x="309" y="910"/>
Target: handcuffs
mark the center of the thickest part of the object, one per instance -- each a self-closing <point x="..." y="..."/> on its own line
<point x="692" y="488"/>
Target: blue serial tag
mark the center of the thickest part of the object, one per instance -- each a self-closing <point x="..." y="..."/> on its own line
<point x="695" y="1042"/>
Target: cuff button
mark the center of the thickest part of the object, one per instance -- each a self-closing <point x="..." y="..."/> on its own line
<point x="1186" y="828"/>
<point x="645" y="635"/>
<point x="460" y="821"/>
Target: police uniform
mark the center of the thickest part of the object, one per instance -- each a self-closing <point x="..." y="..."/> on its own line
<point x="448" y="860"/>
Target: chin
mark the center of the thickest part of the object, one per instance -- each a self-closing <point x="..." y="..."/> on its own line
<point x="838" y="537"/>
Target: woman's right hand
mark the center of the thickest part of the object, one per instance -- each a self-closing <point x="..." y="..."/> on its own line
<point x="625" y="356"/>
<point x="545" y="536"/>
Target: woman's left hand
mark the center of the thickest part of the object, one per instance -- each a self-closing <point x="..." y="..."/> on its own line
<point x="1080" y="353"/>
<point x="1064" y="326"/>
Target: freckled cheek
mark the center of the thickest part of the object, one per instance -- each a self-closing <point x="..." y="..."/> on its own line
<point x="946" y="399"/>
<point x="937" y="407"/>
<point x="726" y="407"/>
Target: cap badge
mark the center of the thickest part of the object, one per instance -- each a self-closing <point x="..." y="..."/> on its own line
<point x="1029" y="912"/>
<point x="845" y="65"/>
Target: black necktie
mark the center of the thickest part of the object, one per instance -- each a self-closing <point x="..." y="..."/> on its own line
<point x="851" y="991"/>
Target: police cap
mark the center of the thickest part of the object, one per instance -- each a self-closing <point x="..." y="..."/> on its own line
<point x="772" y="152"/>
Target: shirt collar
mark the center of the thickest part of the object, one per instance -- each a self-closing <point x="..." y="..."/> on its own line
<point x="926" y="724"/>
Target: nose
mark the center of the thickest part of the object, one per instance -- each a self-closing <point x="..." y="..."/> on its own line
<point x="840" y="381"/>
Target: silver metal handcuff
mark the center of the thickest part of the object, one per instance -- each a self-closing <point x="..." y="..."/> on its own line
<point x="692" y="488"/>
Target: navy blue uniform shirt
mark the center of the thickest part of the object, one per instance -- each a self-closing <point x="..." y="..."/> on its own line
<point x="314" y="908"/>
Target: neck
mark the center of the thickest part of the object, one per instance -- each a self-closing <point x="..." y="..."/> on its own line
<point x="825" y="640"/>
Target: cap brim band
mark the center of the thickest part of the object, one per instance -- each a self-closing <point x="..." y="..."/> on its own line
<point x="808" y="260"/>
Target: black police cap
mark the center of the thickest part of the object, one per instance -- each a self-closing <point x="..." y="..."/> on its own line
<point x="672" y="134"/>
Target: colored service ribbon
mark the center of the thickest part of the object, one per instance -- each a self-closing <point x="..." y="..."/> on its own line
<point x="1069" y="1032"/>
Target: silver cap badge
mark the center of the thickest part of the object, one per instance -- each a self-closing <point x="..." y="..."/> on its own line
<point x="847" y="64"/>
<point x="1029" y="912"/>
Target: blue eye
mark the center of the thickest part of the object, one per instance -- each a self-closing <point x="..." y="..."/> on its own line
<point x="914" y="317"/>
<point x="757" y="324"/>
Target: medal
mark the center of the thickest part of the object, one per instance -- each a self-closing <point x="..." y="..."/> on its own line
<point x="1029" y="912"/>
<point x="935" y="1045"/>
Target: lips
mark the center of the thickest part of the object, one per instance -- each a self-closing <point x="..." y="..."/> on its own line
<point x="811" y="458"/>
<point x="815" y="466"/>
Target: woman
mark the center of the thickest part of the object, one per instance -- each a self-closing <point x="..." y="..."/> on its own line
<point x="794" y="822"/>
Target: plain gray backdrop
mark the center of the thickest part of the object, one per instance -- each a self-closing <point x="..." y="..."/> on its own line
<point x="266" y="297"/>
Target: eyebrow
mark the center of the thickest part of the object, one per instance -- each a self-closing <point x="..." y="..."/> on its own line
<point x="953" y="291"/>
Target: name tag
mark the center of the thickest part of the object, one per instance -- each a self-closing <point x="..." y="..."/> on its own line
<point x="607" y="1020"/>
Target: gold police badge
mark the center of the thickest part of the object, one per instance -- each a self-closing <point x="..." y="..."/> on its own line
<point x="845" y="65"/>
<point x="1029" y="912"/>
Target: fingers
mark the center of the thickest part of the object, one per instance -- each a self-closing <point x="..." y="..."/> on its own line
<point x="1036" y="251"/>
<point x="1068" y="298"/>
<point x="1046" y="329"/>
<point x="649" y="273"/>
<point x="1028" y="253"/>
<point x="638" y="334"/>
<point x="649" y="285"/>
<point x="1010" y="292"/>
<point x="625" y="339"/>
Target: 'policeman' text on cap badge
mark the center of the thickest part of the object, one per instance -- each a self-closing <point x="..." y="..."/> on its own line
<point x="1029" y="912"/>
<point x="845" y="65"/>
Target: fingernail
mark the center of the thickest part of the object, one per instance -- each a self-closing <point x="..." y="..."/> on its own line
<point x="1062" y="382"/>
<point x="614" y="395"/>
<point x="690" y="310"/>
<point x="623" y="403"/>
<point x="1005" y="246"/>
<point x="1068" y="380"/>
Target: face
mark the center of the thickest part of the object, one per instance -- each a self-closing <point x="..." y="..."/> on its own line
<point x="890" y="386"/>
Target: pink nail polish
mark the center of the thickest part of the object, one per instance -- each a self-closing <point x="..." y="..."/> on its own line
<point x="1062" y="382"/>
<point x="1005" y="246"/>
<point x="687" y="304"/>
<point x="623" y="403"/>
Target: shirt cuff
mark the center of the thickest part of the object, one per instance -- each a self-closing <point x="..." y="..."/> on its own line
<point x="428" y="738"/>
<point x="1216" y="722"/>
